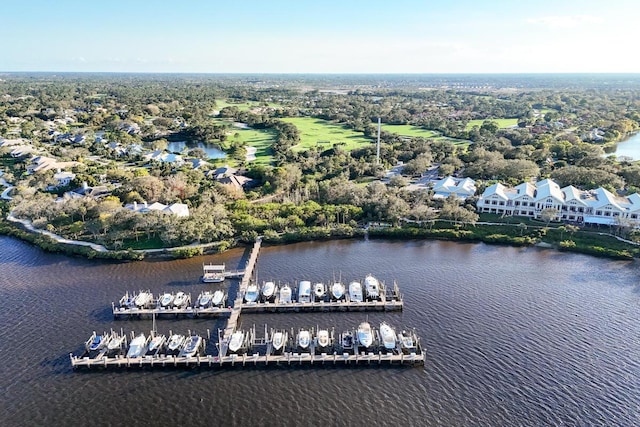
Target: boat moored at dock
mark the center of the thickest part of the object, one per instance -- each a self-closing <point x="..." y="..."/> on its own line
<point x="175" y="343"/>
<point x="365" y="335"/>
<point x="192" y="346"/>
<point x="337" y="291"/>
<point x="304" y="339"/>
<point x="236" y="343"/>
<point x="218" y="298"/>
<point x="278" y="341"/>
<point x="205" y="299"/>
<point x="323" y="340"/>
<point x="269" y="291"/>
<point x="213" y="273"/>
<point x="388" y="336"/>
<point x="285" y="294"/>
<point x="156" y="345"/>
<point x="372" y="287"/>
<point x="181" y="300"/>
<point x="304" y="291"/>
<point x="355" y="291"/>
<point x="166" y="299"/>
<point x="251" y="295"/>
<point x="138" y="346"/>
<point x="144" y="299"/>
<point x="319" y="291"/>
<point x="97" y="342"/>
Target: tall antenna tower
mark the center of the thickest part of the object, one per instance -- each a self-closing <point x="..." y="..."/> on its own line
<point x="378" y="144"/>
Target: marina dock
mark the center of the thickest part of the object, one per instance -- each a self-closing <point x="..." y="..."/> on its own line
<point x="254" y="350"/>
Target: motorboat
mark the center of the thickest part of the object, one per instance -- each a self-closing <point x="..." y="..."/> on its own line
<point x="388" y="336"/>
<point x="127" y="301"/>
<point x="213" y="273"/>
<point x="236" y="342"/>
<point x="304" y="339"/>
<point x="138" y="346"/>
<point x="285" y="294"/>
<point x="323" y="339"/>
<point x="218" y="298"/>
<point x="191" y="346"/>
<point x="251" y="294"/>
<point x="175" y="343"/>
<point x="116" y="343"/>
<point x="346" y="340"/>
<point x="279" y="340"/>
<point x="205" y="298"/>
<point x="180" y="300"/>
<point x="97" y="342"/>
<point x="355" y="291"/>
<point x="304" y="291"/>
<point x="337" y="291"/>
<point x="156" y="344"/>
<point x="372" y="287"/>
<point x="365" y="335"/>
<point x="319" y="291"/>
<point x="143" y="299"/>
<point x="407" y="343"/>
<point x="268" y="291"/>
<point x="166" y="299"/>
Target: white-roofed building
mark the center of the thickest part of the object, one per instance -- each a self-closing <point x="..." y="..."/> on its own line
<point x="597" y="206"/>
<point x="459" y="187"/>
<point x="177" y="209"/>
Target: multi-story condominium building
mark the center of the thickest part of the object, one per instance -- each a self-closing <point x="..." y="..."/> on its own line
<point x="590" y="207"/>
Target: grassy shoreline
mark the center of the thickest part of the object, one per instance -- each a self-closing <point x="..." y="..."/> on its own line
<point x="584" y="242"/>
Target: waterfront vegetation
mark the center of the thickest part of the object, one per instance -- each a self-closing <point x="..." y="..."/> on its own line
<point x="315" y="175"/>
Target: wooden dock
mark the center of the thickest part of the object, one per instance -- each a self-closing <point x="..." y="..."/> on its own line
<point x="323" y="306"/>
<point x="160" y="311"/>
<point x="255" y="359"/>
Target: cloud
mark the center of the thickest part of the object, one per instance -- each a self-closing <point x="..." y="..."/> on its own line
<point x="564" y="22"/>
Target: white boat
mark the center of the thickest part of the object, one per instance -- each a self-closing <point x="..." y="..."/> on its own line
<point x="138" y="346"/>
<point x="388" y="336"/>
<point x="251" y="294"/>
<point x="268" y="291"/>
<point x="156" y="344"/>
<point x="180" y="300"/>
<point x="191" y="346"/>
<point x="304" y="291"/>
<point x="204" y="300"/>
<point x="97" y="342"/>
<point x="372" y="287"/>
<point x="304" y="339"/>
<point x="236" y="342"/>
<point x="323" y="339"/>
<point x="319" y="291"/>
<point x="166" y="300"/>
<point x="365" y="335"/>
<point x="279" y="340"/>
<point x="285" y="294"/>
<point x="407" y="342"/>
<point x="337" y="291"/>
<point x="127" y="300"/>
<point x="213" y="273"/>
<point x="116" y="343"/>
<point x="355" y="291"/>
<point x="218" y="298"/>
<point x="143" y="299"/>
<point x="175" y="343"/>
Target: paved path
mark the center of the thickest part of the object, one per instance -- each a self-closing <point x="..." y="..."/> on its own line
<point x="27" y="224"/>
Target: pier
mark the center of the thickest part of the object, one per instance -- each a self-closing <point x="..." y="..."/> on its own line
<point x="254" y="350"/>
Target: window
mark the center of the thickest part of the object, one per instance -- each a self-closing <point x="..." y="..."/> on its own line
<point x="607" y="214"/>
<point x="517" y="203"/>
<point x="599" y="213"/>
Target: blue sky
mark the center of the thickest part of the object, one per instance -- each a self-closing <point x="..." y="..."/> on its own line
<point x="347" y="36"/>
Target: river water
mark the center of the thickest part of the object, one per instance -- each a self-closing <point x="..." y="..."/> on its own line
<point x="630" y="147"/>
<point x="514" y="336"/>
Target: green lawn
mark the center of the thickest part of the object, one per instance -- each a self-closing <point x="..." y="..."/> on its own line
<point x="324" y="134"/>
<point x="247" y="105"/>
<point x="261" y="139"/>
<point x="409" y="130"/>
<point x="502" y="123"/>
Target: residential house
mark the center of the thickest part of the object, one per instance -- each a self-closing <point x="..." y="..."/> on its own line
<point x="459" y="187"/>
<point x="177" y="209"/>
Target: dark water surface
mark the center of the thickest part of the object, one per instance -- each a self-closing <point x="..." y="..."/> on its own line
<point x="514" y="336"/>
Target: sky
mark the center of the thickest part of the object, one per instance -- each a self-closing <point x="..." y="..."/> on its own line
<point x="328" y="36"/>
